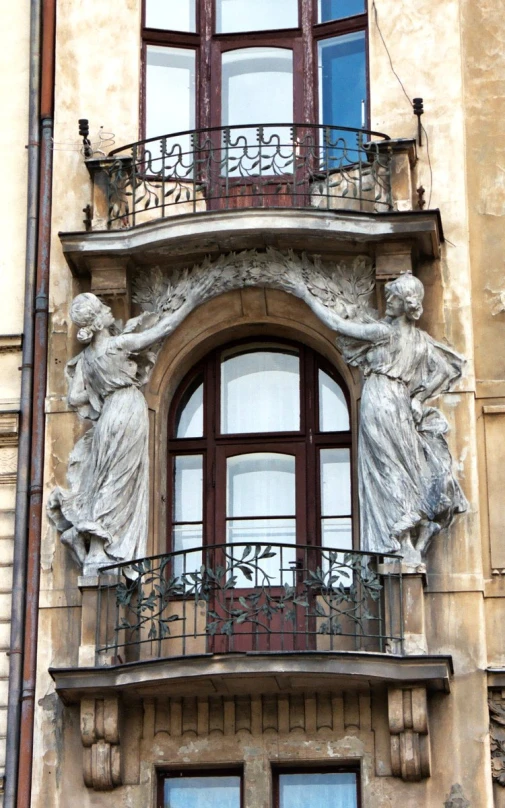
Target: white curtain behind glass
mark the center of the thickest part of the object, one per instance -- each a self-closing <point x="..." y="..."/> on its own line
<point x="260" y="392"/>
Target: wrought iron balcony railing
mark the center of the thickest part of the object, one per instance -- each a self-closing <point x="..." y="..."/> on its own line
<point x="249" y="598"/>
<point x="266" y="166"/>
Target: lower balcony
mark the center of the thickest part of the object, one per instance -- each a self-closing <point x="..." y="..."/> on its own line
<point x="249" y="598"/>
<point x="280" y="615"/>
<point x="237" y="638"/>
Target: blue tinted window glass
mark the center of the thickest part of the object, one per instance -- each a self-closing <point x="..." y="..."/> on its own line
<point x="307" y="790"/>
<point x="202" y="792"/>
<point x="337" y="9"/>
<point x="342" y="80"/>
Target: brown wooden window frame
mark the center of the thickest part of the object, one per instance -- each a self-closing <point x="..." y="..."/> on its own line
<point x="209" y="46"/>
<point x="277" y="771"/>
<point x="304" y="444"/>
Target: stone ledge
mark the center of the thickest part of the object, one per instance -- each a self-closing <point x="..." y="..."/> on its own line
<point x="229" y="674"/>
<point x="189" y="238"/>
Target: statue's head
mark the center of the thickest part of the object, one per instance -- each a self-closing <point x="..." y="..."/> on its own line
<point x="91" y="315"/>
<point x="408" y="290"/>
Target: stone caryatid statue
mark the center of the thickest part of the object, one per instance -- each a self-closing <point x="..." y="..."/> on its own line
<point x="103" y="515"/>
<point x="407" y="489"/>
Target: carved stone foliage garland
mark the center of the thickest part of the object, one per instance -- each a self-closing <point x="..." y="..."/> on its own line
<point x="345" y="286"/>
<point x="407" y="489"/>
<point x="496" y="704"/>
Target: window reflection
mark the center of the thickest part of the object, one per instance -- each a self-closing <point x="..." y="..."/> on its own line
<point x="187" y="512"/>
<point x="177" y="15"/>
<point x="257" y="87"/>
<point x="326" y="790"/>
<point x="342" y="81"/>
<point x="262" y="484"/>
<point x="337" y="9"/>
<point x="260" y="392"/>
<point x="189" y="421"/>
<point x="333" y="410"/>
<point x="260" y="15"/>
<point x="170" y="96"/>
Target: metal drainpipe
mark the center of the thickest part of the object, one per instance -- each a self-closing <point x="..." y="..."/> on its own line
<point x="24" y="449"/>
<point x="27" y="565"/>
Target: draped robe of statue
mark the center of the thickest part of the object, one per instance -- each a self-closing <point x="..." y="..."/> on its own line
<point x="404" y="465"/>
<point x="109" y="466"/>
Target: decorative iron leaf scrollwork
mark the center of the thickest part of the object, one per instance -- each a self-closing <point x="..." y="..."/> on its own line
<point x="274" y="165"/>
<point x="283" y="593"/>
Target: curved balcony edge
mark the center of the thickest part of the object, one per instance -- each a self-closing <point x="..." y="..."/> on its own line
<point x="272" y="673"/>
<point x="191" y="237"/>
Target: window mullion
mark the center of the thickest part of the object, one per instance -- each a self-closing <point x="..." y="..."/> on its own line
<point x="206" y="17"/>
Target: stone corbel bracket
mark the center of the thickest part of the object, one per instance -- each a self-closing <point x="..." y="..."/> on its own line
<point x="100" y="734"/>
<point x="408" y="726"/>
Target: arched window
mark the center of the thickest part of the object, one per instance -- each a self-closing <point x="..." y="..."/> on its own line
<point x="260" y="453"/>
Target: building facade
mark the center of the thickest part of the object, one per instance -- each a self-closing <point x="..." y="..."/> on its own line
<point x="252" y="405"/>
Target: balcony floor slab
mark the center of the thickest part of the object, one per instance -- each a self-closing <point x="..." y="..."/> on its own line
<point x="189" y="238"/>
<point x="235" y="674"/>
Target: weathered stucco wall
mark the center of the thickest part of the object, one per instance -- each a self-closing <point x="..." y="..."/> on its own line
<point x="14" y="46"/>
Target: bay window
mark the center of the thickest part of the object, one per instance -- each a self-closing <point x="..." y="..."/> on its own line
<point x="214" y="63"/>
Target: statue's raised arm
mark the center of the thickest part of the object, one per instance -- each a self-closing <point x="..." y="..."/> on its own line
<point x="103" y="514"/>
<point x="407" y="488"/>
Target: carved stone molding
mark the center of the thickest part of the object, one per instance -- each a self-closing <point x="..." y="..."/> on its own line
<point x="10" y="343"/>
<point x="408" y="726"/>
<point x="496" y="702"/>
<point x="9" y="429"/>
<point x="100" y="735"/>
<point x="456" y="798"/>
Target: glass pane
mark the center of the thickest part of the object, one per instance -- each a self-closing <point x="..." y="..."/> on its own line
<point x="185" y="537"/>
<point x="268" y="379"/>
<point x="259" y="15"/>
<point x="335" y="482"/>
<point x="170" y="92"/>
<point x="202" y="792"/>
<point x="174" y="15"/>
<point x="342" y="82"/>
<point x="257" y="86"/>
<point x="260" y="484"/>
<point x="188" y="482"/>
<point x="189" y="421"/>
<point x="336" y="534"/>
<point x="333" y="412"/>
<point x="336" y="9"/>
<point x="328" y="790"/>
<point x="272" y="571"/>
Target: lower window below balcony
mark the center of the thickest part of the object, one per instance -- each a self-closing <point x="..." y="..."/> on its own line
<point x="306" y="789"/>
<point x="215" y="789"/>
<point x="326" y="788"/>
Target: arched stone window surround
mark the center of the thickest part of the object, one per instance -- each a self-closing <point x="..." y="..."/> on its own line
<point x="236" y="315"/>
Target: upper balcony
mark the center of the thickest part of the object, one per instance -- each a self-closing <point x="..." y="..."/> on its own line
<point x="299" y="186"/>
